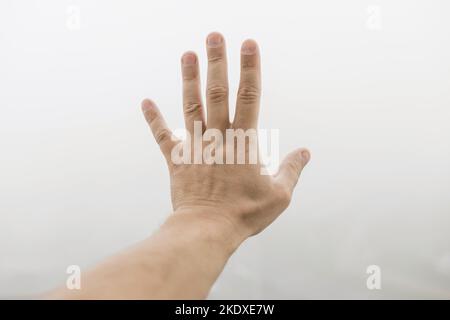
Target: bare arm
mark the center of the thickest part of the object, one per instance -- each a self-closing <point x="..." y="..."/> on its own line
<point x="216" y="206"/>
<point x="180" y="261"/>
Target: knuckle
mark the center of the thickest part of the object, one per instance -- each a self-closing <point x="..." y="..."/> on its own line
<point x="294" y="167"/>
<point x="189" y="76"/>
<point x="215" y="58"/>
<point x="163" y="136"/>
<point x="284" y="195"/>
<point x="191" y="108"/>
<point x="249" y="63"/>
<point x="150" y="115"/>
<point x="248" y="94"/>
<point x="217" y="93"/>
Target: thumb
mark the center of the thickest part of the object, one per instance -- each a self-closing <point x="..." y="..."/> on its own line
<point x="291" y="167"/>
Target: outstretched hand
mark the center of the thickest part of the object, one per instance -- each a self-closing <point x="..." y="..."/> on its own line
<point x="236" y="194"/>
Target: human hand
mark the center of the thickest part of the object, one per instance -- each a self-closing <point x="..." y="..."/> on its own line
<point x="235" y="195"/>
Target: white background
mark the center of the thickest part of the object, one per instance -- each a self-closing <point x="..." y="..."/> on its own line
<point x="365" y="85"/>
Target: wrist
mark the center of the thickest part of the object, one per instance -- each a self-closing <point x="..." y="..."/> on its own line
<point x="210" y="224"/>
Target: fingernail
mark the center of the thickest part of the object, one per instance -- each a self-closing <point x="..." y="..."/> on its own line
<point x="214" y="39"/>
<point x="189" y="58"/>
<point x="249" y="47"/>
<point x="305" y="156"/>
<point x="147" y="105"/>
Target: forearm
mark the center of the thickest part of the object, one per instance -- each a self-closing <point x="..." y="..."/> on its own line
<point x="181" y="260"/>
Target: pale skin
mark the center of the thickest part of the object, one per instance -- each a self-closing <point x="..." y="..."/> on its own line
<point x="215" y="207"/>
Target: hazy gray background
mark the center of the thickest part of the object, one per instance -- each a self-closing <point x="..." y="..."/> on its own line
<point x="363" y="84"/>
